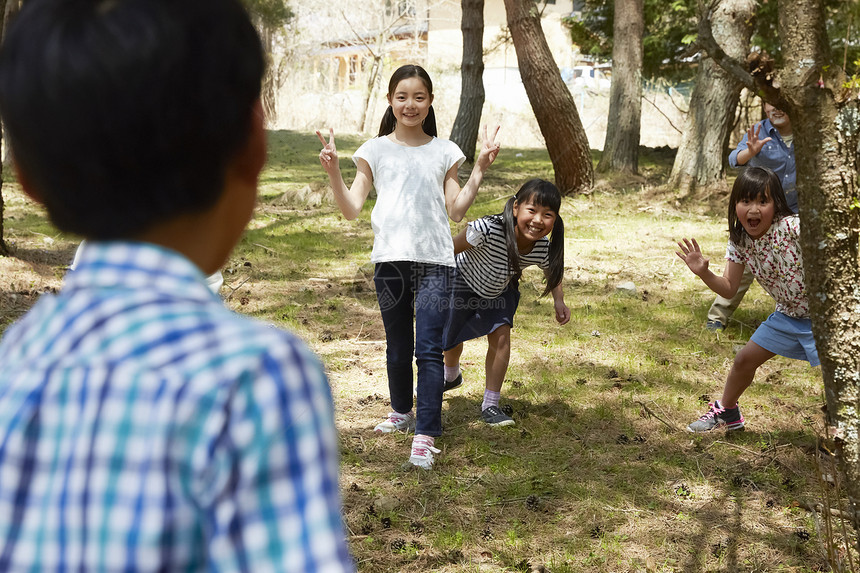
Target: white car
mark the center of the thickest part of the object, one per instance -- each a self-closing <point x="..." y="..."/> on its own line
<point x="587" y="77"/>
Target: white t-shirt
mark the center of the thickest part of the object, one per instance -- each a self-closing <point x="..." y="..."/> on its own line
<point x="410" y="221"/>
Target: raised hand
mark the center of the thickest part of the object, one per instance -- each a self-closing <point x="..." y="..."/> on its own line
<point x="489" y="149"/>
<point x="328" y="155"/>
<point x="692" y="255"/>
<point x="754" y="144"/>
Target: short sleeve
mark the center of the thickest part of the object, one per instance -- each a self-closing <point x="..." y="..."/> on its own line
<point x="544" y="264"/>
<point x="367" y="151"/>
<point x="455" y="155"/>
<point x="733" y="254"/>
<point x="476" y="232"/>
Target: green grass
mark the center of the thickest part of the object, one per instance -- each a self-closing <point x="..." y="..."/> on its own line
<point x="588" y="479"/>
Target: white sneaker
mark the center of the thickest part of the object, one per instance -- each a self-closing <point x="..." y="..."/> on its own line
<point x="395" y="422"/>
<point x="422" y="452"/>
<point x="422" y="456"/>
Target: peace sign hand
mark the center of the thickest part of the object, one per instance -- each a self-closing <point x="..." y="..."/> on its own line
<point x="691" y="254"/>
<point x="489" y="149"/>
<point x="328" y="155"/>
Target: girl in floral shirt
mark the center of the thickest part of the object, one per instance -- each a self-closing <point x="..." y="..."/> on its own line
<point x="764" y="234"/>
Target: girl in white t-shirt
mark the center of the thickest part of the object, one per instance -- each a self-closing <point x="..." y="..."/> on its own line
<point x="764" y="234"/>
<point x="418" y="189"/>
<point x="491" y="253"/>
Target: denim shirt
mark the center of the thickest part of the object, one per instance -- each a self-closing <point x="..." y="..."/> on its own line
<point x="775" y="155"/>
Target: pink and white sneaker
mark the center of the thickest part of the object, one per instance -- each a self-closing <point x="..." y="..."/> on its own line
<point x="396" y="422"/>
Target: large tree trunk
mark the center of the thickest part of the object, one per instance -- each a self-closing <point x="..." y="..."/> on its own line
<point x="621" y="147"/>
<point x="550" y="99"/>
<point x="465" y="130"/>
<point x="701" y="158"/>
<point x="825" y="119"/>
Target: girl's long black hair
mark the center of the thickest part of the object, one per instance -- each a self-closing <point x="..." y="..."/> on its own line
<point x="389" y="122"/>
<point x="544" y="194"/>
<point x="751" y="184"/>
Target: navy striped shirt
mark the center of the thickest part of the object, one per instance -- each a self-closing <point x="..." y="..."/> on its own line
<point x="485" y="266"/>
<point x="146" y="427"/>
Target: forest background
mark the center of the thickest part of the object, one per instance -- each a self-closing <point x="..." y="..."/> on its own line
<point x="618" y="487"/>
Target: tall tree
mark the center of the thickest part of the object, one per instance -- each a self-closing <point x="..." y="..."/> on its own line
<point x="826" y="123"/>
<point x="823" y="104"/>
<point x="621" y="147"/>
<point x="671" y="27"/>
<point x="701" y="158"/>
<point x="270" y="17"/>
<point x="550" y="99"/>
<point x="465" y="130"/>
<point x="7" y="8"/>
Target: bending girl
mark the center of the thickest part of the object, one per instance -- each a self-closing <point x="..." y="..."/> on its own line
<point x="491" y="254"/>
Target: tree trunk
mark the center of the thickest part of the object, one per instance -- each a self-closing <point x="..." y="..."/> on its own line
<point x="269" y="90"/>
<point x="5" y="7"/>
<point x="702" y="154"/>
<point x="825" y="119"/>
<point x="465" y="130"/>
<point x="550" y="99"/>
<point x="621" y="147"/>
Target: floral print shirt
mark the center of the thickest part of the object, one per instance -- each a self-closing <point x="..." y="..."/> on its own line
<point x="775" y="260"/>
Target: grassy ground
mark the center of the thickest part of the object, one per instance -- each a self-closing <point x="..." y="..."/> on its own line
<point x="597" y="474"/>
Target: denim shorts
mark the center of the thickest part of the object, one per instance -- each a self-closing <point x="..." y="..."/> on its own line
<point x="472" y="316"/>
<point x="787" y="336"/>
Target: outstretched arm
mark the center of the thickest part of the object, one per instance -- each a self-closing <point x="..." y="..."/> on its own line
<point x="348" y="199"/>
<point x="459" y="200"/>
<point x="727" y="285"/>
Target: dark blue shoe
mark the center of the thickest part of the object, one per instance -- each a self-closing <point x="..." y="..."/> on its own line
<point x="455" y="383"/>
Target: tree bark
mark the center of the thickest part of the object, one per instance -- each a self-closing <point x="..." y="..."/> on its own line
<point x="268" y="96"/>
<point x="701" y="158"/>
<point x="465" y="130"/>
<point x="5" y="8"/>
<point x="621" y="147"/>
<point x="550" y="99"/>
<point x="825" y="119"/>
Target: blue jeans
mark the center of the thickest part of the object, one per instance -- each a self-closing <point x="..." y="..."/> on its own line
<point x="407" y="289"/>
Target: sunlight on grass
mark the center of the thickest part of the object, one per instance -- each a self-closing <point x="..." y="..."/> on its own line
<point x="596" y="475"/>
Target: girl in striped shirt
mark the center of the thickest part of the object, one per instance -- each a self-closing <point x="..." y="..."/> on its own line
<point x="491" y="253"/>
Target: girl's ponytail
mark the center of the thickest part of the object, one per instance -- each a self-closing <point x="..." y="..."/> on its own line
<point x="429" y="124"/>
<point x="511" y="240"/>
<point x="388" y="122"/>
<point x="555" y="272"/>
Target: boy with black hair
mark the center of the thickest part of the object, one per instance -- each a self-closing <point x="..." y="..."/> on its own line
<point x="144" y="426"/>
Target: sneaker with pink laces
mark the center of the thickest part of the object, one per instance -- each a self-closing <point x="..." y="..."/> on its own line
<point x="717" y="416"/>
<point x="395" y="421"/>
<point x="422" y="452"/>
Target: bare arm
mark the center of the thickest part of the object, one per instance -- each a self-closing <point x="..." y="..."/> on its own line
<point x="460" y="242"/>
<point x="727" y="285"/>
<point x="459" y="200"/>
<point x="349" y="199"/>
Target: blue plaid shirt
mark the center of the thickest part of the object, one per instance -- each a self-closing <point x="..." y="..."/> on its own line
<point x="146" y="427"/>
